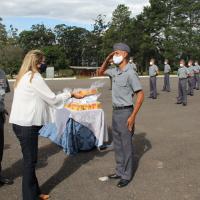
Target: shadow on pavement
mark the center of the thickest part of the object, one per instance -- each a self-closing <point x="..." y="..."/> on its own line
<point x="44" y="152"/>
<point x="141" y="146"/>
<point x="70" y="165"/>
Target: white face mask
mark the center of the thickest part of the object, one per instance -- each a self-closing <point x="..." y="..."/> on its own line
<point x="181" y="65"/>
<point x="196" y="64"/>
<point x="117" y="59"/>
<point x="166" y="63"/>
<point x="151" y="63"/>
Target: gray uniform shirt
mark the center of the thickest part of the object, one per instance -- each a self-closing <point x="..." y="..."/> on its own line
<point x="167" y="68"/>
<point x="191" y="70"/>
<point x="183" y="72"/>
<point x="133" y="65"/>
<point x="124" y="84"/>
<point x="196" y="69"/>
<point x="4" y="88"/>
<point x="153" y="70"/>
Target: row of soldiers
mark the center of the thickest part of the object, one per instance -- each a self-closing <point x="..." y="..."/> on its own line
<point x="189" y="79"/>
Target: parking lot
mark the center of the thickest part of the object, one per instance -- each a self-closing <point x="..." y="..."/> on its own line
<point x="167" y="151"/>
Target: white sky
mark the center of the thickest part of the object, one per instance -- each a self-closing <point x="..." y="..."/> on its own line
<point x="78" y="11"/>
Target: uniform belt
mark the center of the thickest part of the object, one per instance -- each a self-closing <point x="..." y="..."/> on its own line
<point x="122" y="107"/>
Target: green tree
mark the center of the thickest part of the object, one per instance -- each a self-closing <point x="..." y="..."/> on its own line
<point x="56" y="57"/>
<point x="119" y="28"/>
<point x="73" y="40"/>
<point x="3" y="33"/>
<point x="11" y="59"/>
<point x="38" y="37"/>
<point x="13" y="37"/>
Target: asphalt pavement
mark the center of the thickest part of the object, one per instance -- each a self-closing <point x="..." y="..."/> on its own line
<point x="167" y="152"/>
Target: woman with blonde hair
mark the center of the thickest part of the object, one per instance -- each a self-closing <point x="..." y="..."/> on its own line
<point x="31" y="109"/>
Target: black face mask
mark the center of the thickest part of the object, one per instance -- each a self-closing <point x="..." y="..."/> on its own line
<point x="43" y="68"/>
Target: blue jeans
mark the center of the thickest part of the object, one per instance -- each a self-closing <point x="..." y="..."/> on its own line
<point x="28" y="138"/>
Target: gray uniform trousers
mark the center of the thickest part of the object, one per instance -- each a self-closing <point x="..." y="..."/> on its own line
<point x="166" y="86"/>
<point x="123" y="146"/>
<point x="191" y="85"/>
<point x="196" y="81"/>
<point x="182" y="91"/>
<point x="153" y="87"/>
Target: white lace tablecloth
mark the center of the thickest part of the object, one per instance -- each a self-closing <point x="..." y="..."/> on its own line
<point x="92" y="119"/>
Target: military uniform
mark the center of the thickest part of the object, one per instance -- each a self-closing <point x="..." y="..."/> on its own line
<point x="124" y="84"/>
<point x="183" y="74"/>
<point x="153" y="87"/>
<point x="110" y="67"/>
<point x="4" y="88"/>
<point x="191" y="81"/>
<point x="196" y="77"/>
<point x="133" y="65"/>
<point x="167" y="70"/>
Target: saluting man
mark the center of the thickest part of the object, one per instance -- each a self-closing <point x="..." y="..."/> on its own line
<point x="183" y="75"/>
<point x="125" y="83"/>
<point x="167" y="70"/>
<point x="153" y="72"/>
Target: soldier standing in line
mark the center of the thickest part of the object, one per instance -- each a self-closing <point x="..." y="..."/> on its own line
<point x="132" y="64"/>
<point x="196" y="75"/>
<point x="191" y="78"/>
<point x="183" y="74"/>
<point x="167" y="70"/>
<point x="153" y="72"/>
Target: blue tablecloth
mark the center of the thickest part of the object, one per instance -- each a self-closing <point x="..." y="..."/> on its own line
<point x="75" y="138"/>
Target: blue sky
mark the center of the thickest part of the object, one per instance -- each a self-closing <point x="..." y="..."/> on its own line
<point x="25" y="23"/>
<point x="22" y="14"/>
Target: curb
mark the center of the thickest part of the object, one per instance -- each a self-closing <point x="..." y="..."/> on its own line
<point x="92" y="78"/>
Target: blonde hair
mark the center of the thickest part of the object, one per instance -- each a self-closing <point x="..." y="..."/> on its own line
<point x="30" y="62"/>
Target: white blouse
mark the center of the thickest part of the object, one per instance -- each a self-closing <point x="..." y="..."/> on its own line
<point x="33" y="102"/>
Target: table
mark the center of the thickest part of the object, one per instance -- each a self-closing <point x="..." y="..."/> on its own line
<point x="94" y="120"/>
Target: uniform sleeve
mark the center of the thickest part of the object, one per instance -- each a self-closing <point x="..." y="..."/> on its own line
<point x="109" y="72"/>
<point x="134" y="82"/>
<point x="187" y="71"/>
<point x="44" y="92"/>
<point x="156" y="68"/>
